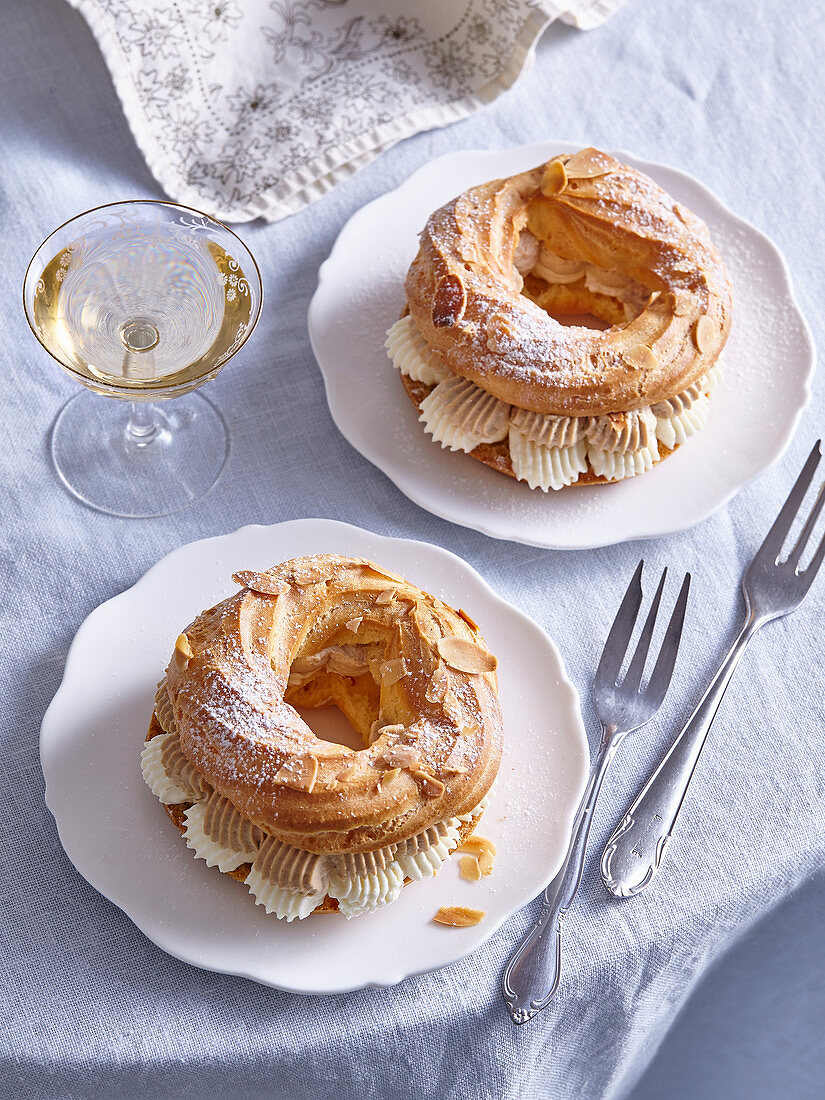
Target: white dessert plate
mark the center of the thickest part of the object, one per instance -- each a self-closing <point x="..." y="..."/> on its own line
<point x="117" y="835"/>
<point x="769" y="361"/>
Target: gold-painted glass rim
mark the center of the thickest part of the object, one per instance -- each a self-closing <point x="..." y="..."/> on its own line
<point x="138" y="202"/>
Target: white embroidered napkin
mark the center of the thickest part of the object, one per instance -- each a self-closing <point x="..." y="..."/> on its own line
<point x="255" y="108"/>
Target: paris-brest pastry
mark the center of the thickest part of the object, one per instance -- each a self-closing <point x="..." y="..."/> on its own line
<point x="493" y="371"/>
<point x="309" y="824"/>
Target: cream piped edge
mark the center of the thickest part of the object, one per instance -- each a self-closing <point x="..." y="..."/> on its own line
<point x="205" y="847"/>
<point x="410" y="354"/>
<point x="356" y="894"/>
<point x="539" y="466"/>
<point x="167" y="789"/>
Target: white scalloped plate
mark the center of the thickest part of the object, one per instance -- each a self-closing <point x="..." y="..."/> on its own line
<point x="769" y="364"/>
<point x="118" y="837"/>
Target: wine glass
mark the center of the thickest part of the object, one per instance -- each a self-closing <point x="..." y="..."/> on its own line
<point x="141" y="301"/>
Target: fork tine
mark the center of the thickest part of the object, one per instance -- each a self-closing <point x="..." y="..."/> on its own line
<point x="782" y="524"/>
<point x="798" y="550"/>
<point x="663" y="669"/>
<point x="808" y="574"/>
<point x="620" y="632"/>
<point x="633" y="678"/>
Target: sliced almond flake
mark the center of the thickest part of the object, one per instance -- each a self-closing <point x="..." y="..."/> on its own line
<point x="703" y="333"/>
<point x="458" y="916"/>
<point x="430" y="786"/>
<point x="469" y="869"/>
<point x="377" y="730"/>
<point x="183" y="652"/>
<point x="455" y="764"/>
<point x="473" y="625"/>
<point x="468" y="731"/>
<point x="385" y="597"/>
<point x="392" y="671"/>
<point x="641" y="356"/>
<point x="300" y="773"/>
<point x="485" y="863"/>
<point x="437" y="687"/>
<point x="382" y="572"/>
<point x="483" y="849"/>
<point x="449" y="301"/>
<point x="354" y="624"/>
<point x="402" y="756"/>
<point x="554" y="178"/>
<point x="312" y="773"/>
<point x="588" y="163"/>
<point x="266" y="584"/>
<point x="682" y="303"/>
<point x="387" y="777"/>
<point x="466" y="656"/>
<point x="347" y="773"/>
<point x="455" y="769"/>
<point x="305" y="575"/>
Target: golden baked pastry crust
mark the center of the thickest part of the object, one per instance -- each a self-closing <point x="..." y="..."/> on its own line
<point x="465" y="294"/>
<point x="228" y="688"/>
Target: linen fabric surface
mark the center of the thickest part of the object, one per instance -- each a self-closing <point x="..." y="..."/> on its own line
<point x="92" y="1007"/>
<point x="257" y="108"/>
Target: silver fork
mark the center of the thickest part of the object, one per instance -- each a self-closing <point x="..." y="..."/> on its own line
<point x="531" y="977"/>
<point x="772" y="589"/>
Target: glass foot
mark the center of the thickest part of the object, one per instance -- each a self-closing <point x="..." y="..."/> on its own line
<point x="160" y="460"/>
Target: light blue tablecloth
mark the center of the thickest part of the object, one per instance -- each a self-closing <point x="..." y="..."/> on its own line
<point x="730" y="91"/>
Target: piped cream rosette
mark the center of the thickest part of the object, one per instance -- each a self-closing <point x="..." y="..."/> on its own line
<point x="342" y="641"/>
<point x="495" y="375"/>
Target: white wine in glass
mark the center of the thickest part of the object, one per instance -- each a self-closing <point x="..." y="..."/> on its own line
<point x="142" y="302"/>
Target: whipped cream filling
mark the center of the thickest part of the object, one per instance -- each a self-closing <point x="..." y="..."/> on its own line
<point x="476" y="810"/>
<point x="550" y="452"/>
<point x="526" y="253"/>
<point x="623" y="432"/>
<point x="550" y="431"/>
<point x="360" y="894"/>
<point x="681" y="402"/>
<point x="712" y="379"/>
<point x="555" y="269"/>
<point x="533" y="257"/>
<point x="459" y="414"/>
<point x="163" y="709"/>
<point x="409" y="352"/>
<point x="344" y="660"/>
<point x="217" y="833"/>
<point x="616" y="466"/>
<point x="278" y="900"/>
<point x="288" y="881"/>
<point x="167" y="772"/>
<point x="543" y="467"/>
<point x="677" y="428"/>
<point x="421" y="856"/>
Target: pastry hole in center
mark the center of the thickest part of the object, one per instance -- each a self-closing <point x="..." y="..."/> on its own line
<point x="331" y="724"/>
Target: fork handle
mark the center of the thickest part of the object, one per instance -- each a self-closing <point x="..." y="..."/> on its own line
<point x="635" y="851"/>
<point x="531" y="977"/>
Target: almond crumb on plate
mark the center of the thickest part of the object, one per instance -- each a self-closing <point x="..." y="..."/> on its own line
<point x="469" y="869"/>
<point x="484" y="851"/>
<point x="458" y="916"/>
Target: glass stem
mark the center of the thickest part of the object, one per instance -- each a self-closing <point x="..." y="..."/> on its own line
<point x="143" y="425"/>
